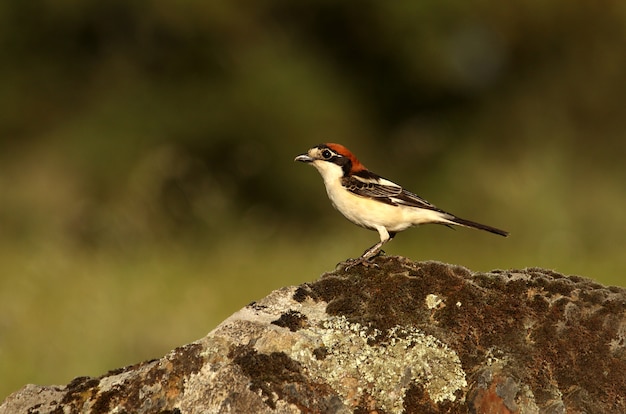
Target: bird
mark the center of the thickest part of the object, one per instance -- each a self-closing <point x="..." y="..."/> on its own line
<point x="374" y="202"/>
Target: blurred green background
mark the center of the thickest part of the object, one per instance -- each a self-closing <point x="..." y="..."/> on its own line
<point x="147" y="182"/>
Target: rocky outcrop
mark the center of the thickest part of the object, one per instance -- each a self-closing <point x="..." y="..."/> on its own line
<point x="414" y="337"/>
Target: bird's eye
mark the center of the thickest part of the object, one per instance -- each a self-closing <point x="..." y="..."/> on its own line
<point x="327" y="154"/>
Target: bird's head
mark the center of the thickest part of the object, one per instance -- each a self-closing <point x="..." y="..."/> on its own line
<point x="332" y="160"/>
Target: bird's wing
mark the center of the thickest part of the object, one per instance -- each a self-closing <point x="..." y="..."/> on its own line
<point x="373" y="186"/>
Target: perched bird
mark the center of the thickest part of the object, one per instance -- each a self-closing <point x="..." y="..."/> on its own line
<point x="373" y="202"/>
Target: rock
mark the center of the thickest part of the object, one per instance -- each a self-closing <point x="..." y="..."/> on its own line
<point x="414" y="337"/>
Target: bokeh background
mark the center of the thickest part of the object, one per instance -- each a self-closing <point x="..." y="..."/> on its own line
<point x="147" y="182"/>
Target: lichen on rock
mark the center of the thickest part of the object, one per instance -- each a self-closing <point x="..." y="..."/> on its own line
<point x="359" y="360"/>
<point x="403" y="337"/>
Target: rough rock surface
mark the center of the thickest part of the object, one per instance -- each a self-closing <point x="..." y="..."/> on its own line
<point x="414" y="337"/>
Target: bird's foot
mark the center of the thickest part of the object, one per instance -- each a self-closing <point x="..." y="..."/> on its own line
<point x="364" y="260"/>
<point x="359" y="261"/>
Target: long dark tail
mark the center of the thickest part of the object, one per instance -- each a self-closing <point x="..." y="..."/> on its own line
<point x="474" y="225"/>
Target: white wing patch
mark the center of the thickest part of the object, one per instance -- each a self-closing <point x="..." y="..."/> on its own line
<point x="383" y="190"/>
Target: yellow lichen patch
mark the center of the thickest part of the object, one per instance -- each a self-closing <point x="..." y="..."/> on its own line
<point x="358" y="358"/>
<point x="433" y="301"/>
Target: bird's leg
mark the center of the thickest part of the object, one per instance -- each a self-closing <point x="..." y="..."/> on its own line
<point x="373" y="251"/>
<point x="364" y="259"/>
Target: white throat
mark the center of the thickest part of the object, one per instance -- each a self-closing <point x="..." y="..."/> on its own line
<point x="331" y="173"/>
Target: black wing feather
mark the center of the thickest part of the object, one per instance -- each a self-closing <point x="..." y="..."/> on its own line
<point x="368" y="184"/>
<point x="376" y="187"/>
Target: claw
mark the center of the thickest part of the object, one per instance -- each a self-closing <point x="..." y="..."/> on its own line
<point x="364" y="261"/>
<point x="360" y="261"/>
